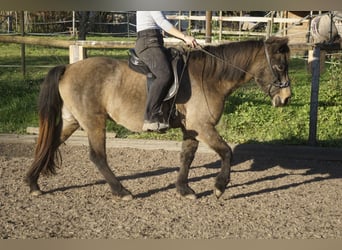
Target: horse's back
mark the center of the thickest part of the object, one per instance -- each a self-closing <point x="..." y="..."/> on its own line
<point x="104" y="86"/>
<point x="83" y="82"/>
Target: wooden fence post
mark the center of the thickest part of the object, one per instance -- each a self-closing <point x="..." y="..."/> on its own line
<point x="322" y="56"/>
<point x="220" y="26"/>
<point x="76" y="53"/>
<point x="22" y="31"/>
<point x="315" y="64"/>
<point x="208" y="31"/>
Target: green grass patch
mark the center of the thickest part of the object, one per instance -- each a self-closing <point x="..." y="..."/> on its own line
<point x="248" y="115"/>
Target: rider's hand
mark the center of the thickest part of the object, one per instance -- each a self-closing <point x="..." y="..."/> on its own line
<point x="191" y="41"/>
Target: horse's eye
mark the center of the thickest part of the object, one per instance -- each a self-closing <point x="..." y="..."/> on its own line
<point x="279" y="67"/>
<point x="283" y="49"/>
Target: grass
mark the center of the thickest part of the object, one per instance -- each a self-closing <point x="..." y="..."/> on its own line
<point x="248" y="114"/>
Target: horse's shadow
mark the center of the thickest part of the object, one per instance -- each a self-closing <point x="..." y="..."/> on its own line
<point x="150" y="192"/>
<point x="320" y="163"/>
<point x="263" y="157"/>
<point x="267" y="156"/>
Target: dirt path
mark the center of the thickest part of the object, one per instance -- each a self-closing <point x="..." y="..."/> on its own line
<point x="275" y="192"/>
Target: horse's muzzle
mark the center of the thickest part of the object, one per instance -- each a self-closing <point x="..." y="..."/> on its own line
<point x="278" y="102"/>
<point x="282" y="98"/>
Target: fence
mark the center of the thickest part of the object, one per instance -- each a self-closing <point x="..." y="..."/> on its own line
<point x="76" y="53"/>
<point x="122" y="23"/>
<point x="76" y="47"/>
<point x="53" y="23"/>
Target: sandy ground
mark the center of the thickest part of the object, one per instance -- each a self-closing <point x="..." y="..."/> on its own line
<point x="276" y="192"/>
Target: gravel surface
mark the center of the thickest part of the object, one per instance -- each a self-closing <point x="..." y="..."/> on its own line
<point x="268" y="197"/>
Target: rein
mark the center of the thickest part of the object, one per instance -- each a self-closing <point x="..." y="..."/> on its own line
<point x="275" y="83"/>
<point x="224" y="61"/>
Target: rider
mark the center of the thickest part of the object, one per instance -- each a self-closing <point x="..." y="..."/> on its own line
<point x="150" y="49"/>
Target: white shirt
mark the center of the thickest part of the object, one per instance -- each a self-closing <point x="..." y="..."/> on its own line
<point x="152" y="20"/>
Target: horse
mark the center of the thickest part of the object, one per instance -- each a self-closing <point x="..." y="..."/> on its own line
<point x="87" y="93"/>
<point x="326" y="28"/>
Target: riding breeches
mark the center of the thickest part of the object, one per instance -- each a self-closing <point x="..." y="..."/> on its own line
<point x="150" y="49"/>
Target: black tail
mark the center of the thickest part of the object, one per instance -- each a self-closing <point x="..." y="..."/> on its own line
<point x="50" y="126"/>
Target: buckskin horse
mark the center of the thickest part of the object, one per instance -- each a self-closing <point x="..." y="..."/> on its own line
<point x="86" y="93"/>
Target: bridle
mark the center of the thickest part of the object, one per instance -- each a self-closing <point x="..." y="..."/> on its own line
<point x="275" y="83"/>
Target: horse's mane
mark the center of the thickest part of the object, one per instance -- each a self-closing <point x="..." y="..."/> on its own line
<point x="234" y="55"/>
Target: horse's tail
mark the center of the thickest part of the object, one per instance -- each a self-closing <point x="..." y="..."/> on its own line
<point x="50" y="103"/>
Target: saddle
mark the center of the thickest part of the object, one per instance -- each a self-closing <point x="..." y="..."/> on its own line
<point x="177" y="64"/>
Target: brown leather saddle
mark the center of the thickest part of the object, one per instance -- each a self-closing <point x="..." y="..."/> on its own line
<point x="177" y="62"/>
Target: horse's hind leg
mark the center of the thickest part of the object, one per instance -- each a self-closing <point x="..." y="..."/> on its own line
<point x="70" y="124"/>
<point x="96" y="135"/>
<point x="189" y="148"/>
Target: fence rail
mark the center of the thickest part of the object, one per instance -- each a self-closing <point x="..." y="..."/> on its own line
<point x="123" y="24"/>
<point x="53" y="42"/>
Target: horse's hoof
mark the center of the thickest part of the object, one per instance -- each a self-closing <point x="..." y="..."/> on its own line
<point x="36" y="193"/>
<point x="218" y="193"/>
<point x="124" y="195"/>
<point x="127" y="197"/>
<point x="220" y="186"/>
<point x="190" y="196"/>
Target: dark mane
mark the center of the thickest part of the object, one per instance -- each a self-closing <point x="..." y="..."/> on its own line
<point x="239" y="54"/>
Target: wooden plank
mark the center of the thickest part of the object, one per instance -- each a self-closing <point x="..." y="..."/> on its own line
<point x="106" y="44"/>
<point x="79" y="132"/>
<point x="52" y="42"/>
<point x="252" y="150"/>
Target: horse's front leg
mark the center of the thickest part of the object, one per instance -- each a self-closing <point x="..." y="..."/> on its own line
<point x="189" y="148"/>
<point x="216" y="142"/>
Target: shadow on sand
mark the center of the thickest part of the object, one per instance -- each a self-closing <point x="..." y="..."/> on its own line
<point x="326" y="162"/>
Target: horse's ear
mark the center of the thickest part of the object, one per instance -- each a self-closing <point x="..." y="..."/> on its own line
<point x="278" y="44"/>
<point x="277" y="40"/>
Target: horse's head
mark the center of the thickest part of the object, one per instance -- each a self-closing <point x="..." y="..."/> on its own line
<point x="273" y="73"/>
